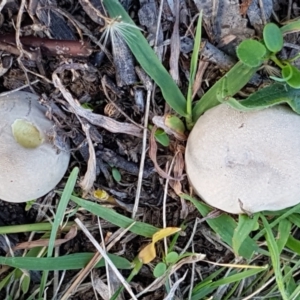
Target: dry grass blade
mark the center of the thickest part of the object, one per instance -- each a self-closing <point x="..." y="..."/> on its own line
<point x="90" y="176"/>
<point x="95" y="119"/>
<point x="175" y="44"/>
<point x="152" y="155"/>
<point x="45" y="242"/>
<point x="143" y="157"/>
<point x="107" y="259"/>
<point x="97" y="257"/>
<point x="156" y="284"/>
<point x="171" y="294"/>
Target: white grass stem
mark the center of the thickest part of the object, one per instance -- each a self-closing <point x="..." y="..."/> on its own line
<point x="143" y="157"/>
<point x="107" y="259"/>
<point x="106" y="264"/>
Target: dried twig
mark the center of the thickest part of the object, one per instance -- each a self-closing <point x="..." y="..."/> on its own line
<point x="52" y="47"/>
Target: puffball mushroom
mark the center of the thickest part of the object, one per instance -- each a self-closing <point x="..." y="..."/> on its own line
<point x="30" y="166"/>
<point x="245" y="161"/>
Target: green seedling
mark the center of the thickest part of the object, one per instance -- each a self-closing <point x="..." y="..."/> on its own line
<point x="161" y="137"/>
<point x="116" y="174"/>
<point x="161" y="268"/>
<point x="253" y="53"/>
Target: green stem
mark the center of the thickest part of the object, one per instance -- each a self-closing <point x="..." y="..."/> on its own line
<point x="31" y="227"/>
<point x="276" y="61"/>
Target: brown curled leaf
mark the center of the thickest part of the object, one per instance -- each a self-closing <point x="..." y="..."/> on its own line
<point x="152" y="155"/>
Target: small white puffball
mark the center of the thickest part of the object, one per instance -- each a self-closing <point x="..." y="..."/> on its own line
<point x="30" y="166"/>
<point x="246" y="161"/>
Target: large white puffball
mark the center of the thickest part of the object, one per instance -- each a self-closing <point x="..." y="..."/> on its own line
<point x="30" y="166"/>
<point x="246" y="161"/>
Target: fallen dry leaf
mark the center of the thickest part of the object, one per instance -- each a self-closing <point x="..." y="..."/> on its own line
<point x="148" y="253"/>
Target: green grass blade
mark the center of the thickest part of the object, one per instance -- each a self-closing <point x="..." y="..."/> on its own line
<point x="275" y="258"/>
<point x="147" y="58"/>
<point x="241" y="232"/>
<point x="113" y="217"/>
<point x="37" y="227"/>
<point x="59" y="216"/>
<point x="237" y="78"/>
<point x="284" y="231"/>
<point x="64" y="200"/>
<point x="66" y="262"/>
<point x="293" y="244"/>
<point x="282" y="216"/>
<point x="193" y="69"/>
<point x="293" y="26"/>
<point x="235" y="277"/>
<point x="224" y="226"/>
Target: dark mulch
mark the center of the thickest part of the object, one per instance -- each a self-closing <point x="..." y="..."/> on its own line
<point x="89" y="85"/>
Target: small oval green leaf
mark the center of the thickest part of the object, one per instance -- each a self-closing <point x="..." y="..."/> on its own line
<point x="26" y="134"/>
<point x="162" y="137"/>
<point x="273" y="37"/>
<point x="172" y="257"/>
<point x="159" y="269"/>
<point x="293" y="75"/>
<point x="116" y="174"/>
<point x="251" y="52"/>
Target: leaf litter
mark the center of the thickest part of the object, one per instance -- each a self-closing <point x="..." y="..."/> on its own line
<point x="55" y="50"/>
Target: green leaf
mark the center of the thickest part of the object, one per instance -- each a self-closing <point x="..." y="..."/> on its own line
<point x="274" y="253"/>
<point x="286" y="72"/>
<point x="25" y="282"/>
<point x="273" y="37"/>
<point x="172" y="257"/>
<point x="193" y="70"/>
<point x="292" y="75"/>
<point x="147" y="58"/>
<point x="66" y="262"/>
<point x="269" y="96"/>
<point x="224" y="226"/>
<point x="284" y="231"/>
<point x="175" y="124"/>
<point x="58" y="220"/>
<point x="292" y="26"/>
<point x="162" y="137"/>
<point x="159" y="269"/>
<point x="237" y="77"/>
<point x="293" y="244"/>
<point x="242" y="231"/>
<point x="116" y="174"/>
<point x="251" y="53"/>
<point x="199" y="291"/>
<point x="113" y="217"/>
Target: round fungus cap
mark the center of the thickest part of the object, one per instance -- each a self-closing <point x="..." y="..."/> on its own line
<point x="246" y="161"/>
<point x="30" y="166"/>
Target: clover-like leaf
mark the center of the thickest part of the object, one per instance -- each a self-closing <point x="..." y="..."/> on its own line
<point x="273" y="37"/>
<point x="159" y="269"/>
<point x="251" y="52"/>
<point x="172" y="257"/>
